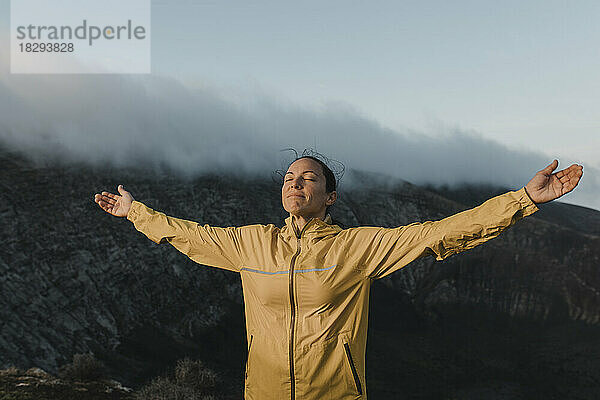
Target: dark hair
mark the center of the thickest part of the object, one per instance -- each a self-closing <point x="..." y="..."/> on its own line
<point x="331" y="180"/>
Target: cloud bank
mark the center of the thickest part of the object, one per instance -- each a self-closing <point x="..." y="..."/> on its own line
<point x="147" y="120"/>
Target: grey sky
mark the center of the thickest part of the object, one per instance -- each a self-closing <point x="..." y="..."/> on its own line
<point x="520" y="72"/>
<point x="473" y="90"/>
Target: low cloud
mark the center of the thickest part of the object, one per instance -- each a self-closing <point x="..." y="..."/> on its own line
<point x="129" y="120"/>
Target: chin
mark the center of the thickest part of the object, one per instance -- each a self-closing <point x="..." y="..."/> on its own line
<point x="293" y="208"/>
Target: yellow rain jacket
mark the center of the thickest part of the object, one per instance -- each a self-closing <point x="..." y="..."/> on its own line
<point x="306" y="293"/>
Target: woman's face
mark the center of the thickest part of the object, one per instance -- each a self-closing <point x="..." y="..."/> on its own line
<point x="304" y="189"/>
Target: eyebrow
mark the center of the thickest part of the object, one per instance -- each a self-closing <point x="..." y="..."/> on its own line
<point x="290" y="172"/>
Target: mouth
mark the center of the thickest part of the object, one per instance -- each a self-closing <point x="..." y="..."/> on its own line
<point x="295" y="195"/>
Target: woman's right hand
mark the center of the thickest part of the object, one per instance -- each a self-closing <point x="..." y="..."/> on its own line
<point x="114" y="204"/>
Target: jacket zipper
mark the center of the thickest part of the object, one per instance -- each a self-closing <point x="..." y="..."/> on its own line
<point x="353" y="368"/>
<point x="248" y="359"/>
<point x="293" y="311"/>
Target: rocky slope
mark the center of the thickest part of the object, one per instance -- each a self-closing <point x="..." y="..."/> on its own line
<point x="39" y="385"/>
<point x="74" y="279"/>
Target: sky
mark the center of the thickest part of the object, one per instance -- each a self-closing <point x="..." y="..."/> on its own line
<point x="430" y="92"/>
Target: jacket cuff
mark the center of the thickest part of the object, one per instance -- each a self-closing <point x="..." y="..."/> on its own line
<point x="527" y="205"/>
<point x="134" y="211"/>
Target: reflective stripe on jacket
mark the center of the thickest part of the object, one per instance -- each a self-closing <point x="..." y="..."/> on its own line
<point x="306" y="294"/>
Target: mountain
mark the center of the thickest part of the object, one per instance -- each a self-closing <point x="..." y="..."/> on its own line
<point x="514" y="318"/>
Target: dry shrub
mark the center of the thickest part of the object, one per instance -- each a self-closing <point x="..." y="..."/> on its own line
<point x="11" y="371"/>
<point x="163" y="388"/>
<point x="192" y="381"/>
<point x="85" y="367"/>
<point x="193" y="374"/>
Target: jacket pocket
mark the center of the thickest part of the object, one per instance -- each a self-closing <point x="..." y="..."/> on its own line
<point x="248" y="359"/>
<point x="353" y="368"/>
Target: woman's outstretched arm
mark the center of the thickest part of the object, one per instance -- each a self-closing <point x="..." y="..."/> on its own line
<point x="381" y="251"/>
<point x="225" y="248"/>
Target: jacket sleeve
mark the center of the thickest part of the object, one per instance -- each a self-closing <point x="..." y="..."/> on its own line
<point x="382" y="251"/>
<point x="225" y="248"/>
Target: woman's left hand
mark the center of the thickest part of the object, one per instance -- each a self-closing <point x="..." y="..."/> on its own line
<point x="547" y="186"/>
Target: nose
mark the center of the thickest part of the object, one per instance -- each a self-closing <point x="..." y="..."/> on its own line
<point x="295" y="183"/>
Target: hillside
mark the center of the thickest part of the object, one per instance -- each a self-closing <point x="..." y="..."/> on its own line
<point x="515" y="318"/>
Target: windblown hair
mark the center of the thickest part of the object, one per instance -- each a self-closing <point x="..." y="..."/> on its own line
<point x="332" y="169"/>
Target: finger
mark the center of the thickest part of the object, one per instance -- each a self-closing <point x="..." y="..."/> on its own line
<point x="570" y="170"/>
<point x="568" y="178"/>
<point x="567" y="171"/>
<point x="551" y="167"/>
<point x="575" y="167"/>
<point x="569" y="186"/>
<point x="103" y="200"/>
<point x="574" y="172"/>
<point x="571" y="180"/>
<point x="565" y="178"/>
<point x="104" y="207"/>
<point x="109" y="197"/>
<point x="98" y="198"/>
<point x="107" y="200"/>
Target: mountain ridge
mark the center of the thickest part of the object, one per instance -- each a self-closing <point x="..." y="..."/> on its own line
<point x="75" y="279"/>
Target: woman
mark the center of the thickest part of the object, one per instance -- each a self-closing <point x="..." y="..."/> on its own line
<point x="306" y="285"/>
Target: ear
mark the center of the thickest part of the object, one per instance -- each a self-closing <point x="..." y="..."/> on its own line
<point x="332" y="197"/>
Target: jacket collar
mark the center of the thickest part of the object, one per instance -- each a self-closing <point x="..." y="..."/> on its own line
<point x="318" y="226"/>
